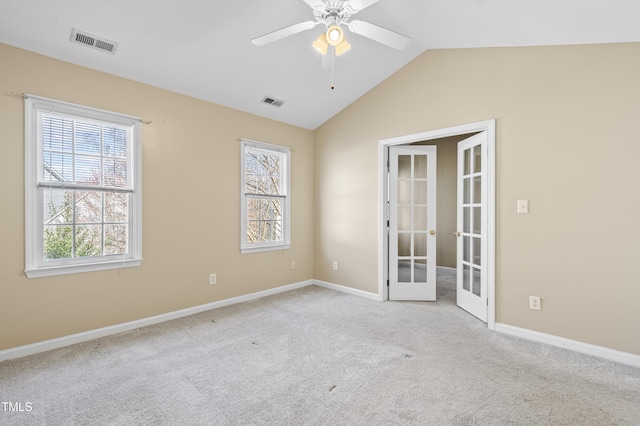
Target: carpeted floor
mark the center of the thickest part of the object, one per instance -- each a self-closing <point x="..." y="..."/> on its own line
<point x="318" y="357"/>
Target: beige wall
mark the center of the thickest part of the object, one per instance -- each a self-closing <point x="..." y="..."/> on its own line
<point x="191" y="206"/>
<point x="567" y="140"/>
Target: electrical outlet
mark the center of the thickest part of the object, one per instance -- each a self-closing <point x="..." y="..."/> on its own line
<point x="335" y="265"/>
<point x="293" y="265"/>
<point x="534" y="303"/>
<point x="212" y="279"/>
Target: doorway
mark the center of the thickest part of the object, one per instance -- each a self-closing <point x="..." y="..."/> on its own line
<point x="485" y="270"/>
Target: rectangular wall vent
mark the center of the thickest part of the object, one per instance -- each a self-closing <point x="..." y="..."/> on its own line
<point x="99" y="43"/>
<point x="272" y="101"/>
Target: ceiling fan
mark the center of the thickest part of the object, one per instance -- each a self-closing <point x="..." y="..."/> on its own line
<point x="334" y="14"/>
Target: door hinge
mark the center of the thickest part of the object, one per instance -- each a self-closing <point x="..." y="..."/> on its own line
<point x="387" y="283"/>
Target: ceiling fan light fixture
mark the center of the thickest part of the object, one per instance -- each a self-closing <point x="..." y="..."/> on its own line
<point x="334" y="35"/>
<point x="343" y="47"/>
<point x="321" y="44"/>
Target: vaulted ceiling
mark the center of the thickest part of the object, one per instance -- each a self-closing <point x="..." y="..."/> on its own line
<point x="202" y="48"/>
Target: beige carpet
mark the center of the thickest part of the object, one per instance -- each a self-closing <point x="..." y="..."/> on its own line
<point x="318" y="357"/>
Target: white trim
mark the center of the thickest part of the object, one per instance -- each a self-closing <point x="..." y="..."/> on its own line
<point x="72" y="339"/>
<point x="85" y="267"/>
<point x="35" y="265"/>
<point x="81" y="110"/>
<point x="348" y="290"/>
<point x="285" y="244"/>
<point x="573" y="345"/>
<point x="489" y="127"/>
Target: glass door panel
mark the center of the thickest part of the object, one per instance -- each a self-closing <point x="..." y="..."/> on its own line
<point x="412" y="222"/>
<point x="472" y="295"/>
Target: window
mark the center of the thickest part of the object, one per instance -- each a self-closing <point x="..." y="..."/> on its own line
<point x="82" y="189"/>
<point x="265" y="197"/>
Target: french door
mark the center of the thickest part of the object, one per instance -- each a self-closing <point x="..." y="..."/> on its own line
<point x="412" y="223"/>
<point x="472" y="247"/>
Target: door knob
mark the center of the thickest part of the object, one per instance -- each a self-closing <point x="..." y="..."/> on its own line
<point x="457" y="234"/>
<point x="432" y="232"/>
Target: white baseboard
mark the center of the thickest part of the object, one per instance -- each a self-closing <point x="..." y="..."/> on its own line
<point x="34" y="348"/>
<point x="348" y="290"/>
<point x="574" y="345"/>
<point x="72" y="339"/>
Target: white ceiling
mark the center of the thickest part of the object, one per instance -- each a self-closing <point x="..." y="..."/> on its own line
<point x="203" y="48"/>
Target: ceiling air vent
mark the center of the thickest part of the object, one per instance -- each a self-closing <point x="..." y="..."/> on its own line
<point x="99" y="43"/>
<point x="272" y="101"/>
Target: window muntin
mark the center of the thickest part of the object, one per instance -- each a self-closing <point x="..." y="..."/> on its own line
<point x="265" y="197"/>
<point x="82" y="188"/>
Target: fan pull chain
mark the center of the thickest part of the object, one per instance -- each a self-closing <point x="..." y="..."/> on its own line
<point x="333" y="61"/>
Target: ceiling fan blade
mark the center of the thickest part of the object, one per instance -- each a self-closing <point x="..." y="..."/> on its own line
<point x="314" y="3"/>
<point x="379" y="34"/>
<point x="358" y="5"/>
<point x="283" y="32"/>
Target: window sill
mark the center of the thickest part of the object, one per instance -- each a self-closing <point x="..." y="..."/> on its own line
<point x="86" y="267"/>
<point x="247" y="250"/>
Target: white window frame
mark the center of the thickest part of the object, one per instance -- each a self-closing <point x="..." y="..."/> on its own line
<point x="35" y="264"/>
<point x="245" y="246"/>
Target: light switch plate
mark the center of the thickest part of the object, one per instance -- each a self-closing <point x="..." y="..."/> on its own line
<point x="523" y="206"/>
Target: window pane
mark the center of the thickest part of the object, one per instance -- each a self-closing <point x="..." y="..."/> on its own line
<point x="58" y="206"/>
<point x="404" y="192"/>
<point x="404" y="218"/>
<point x="466" y="227"/>
<point x="404" y="271"/>
<point x="466" y="277"/>
<point x="420" y="245"/>
<point x="88" y="240"/>
<point x="404" y="244"/>
<point x="115" y="239"/>
<point x="477" y="285"/>
<point x="114" y="141"/>
<point x="467" y="161"/>
<point x="420" y="167"/>
<point x="57" y="167"/>
<point x="116" y="207"/>
<point x="477" y="251"/>
<point x="477" y="154"/>
<point x="250" y="184"/>
<point x="253" y="231"/>
<point x="58" y="242"/>
<point x="466" y="249"/>
<point x="404" y="167"/>
<point x="477" y="220"/>
<point x="115" y="172"/>
<point x="263" y="173"/>
<point x="420" y="192"/>
<point x="88" y="207"/>
<point x="477" y="189"/>
<point x="87" y="138"/>
<point x="57" y="134"/>
<point x="419" y="218"/>
<point x="466" y="190"/>
<point x="274" y="209"/>
<point x="420" y="271"/>
<point x="88" y="170"/>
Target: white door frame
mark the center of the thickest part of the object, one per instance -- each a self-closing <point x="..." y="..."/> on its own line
<point x="383" y="237"/>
